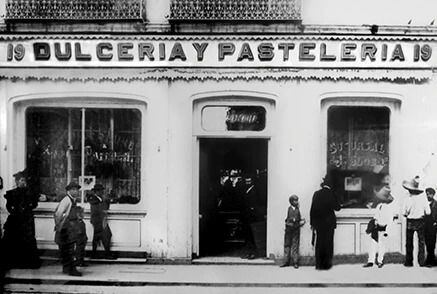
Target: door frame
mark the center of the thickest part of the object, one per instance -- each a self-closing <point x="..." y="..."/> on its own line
<point x="196" y="186"/>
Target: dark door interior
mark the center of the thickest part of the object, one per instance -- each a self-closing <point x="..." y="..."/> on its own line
<point x="232" y="197"/>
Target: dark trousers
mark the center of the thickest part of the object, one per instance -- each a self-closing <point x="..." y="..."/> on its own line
<point x="324" y="248"/>
<point x="291" y="245"/>
<point x="102" y="235"/>
<point x="72" y="241"/>
<point x="415" y="225"/>
<point x="430" y="239"/>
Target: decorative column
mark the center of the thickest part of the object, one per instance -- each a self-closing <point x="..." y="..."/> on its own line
<point x="155" y="13"/>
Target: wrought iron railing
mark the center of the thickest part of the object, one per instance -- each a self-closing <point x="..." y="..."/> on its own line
<point x="215" y="10"/>
<point x="73" y="9"/>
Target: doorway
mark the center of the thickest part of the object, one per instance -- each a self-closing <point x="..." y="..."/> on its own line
<point x="233" y="197"/>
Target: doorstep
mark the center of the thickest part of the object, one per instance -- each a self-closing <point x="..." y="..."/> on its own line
<point x="228" y="260"/>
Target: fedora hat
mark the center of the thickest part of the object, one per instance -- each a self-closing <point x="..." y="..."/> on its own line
<point x="413" y="185"/>
<point x="20" y="174"/>
<point x="72" y="185"/>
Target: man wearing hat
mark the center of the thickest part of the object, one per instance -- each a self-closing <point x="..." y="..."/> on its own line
<point x="99" y="203"/>
<point x="70" y="231"/>
<point x="415" y="208"/>
<point x="379" y="226"/>
<point x="323" y="222"/>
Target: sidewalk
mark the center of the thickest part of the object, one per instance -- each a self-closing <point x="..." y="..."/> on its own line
<point x="268" y="275"/>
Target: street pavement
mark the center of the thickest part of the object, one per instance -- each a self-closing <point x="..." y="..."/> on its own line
<point x="223" y="278"/>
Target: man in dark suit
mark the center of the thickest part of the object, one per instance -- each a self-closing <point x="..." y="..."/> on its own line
<point x="430" y="228"/>
<point x="324" y="222"/>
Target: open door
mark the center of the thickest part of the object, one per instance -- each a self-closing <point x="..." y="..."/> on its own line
<point x="232" y="197"/>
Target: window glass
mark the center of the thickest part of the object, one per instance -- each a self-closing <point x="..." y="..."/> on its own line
<point x="233" y="118"/>
<point x="358" y="154"/>
<point x="110" y="138"/>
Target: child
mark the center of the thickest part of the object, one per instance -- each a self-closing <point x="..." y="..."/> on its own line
<point x="430" y="228"/>
<point x="99" y="219"/>
<point x="293" y="222"/>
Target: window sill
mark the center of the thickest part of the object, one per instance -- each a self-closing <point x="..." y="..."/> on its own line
<point x="113" y="211"/>
<point x="355" y="213"/>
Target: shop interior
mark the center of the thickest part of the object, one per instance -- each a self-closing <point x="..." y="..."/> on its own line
<point x="233" y="197"/>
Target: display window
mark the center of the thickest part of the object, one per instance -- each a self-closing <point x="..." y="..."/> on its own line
<point x="86" y="145"/>
<point x="358" y="152"/>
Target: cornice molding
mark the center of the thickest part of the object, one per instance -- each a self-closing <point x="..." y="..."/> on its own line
<point x="215" y="74"/>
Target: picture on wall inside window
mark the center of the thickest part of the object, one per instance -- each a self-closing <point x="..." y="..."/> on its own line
<point x="96" y="145"/>
<point x="352" y="184"/>
<point x="87" y="182"/>
<point x="357" y="152"/>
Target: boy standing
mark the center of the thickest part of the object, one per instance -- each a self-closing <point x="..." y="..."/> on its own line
<point x="293" y="222"/>
<point x="99" y="219"/>
<point x="430" y="228"/>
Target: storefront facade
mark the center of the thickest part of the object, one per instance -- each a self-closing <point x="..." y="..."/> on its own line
<point x="162" y="120"/>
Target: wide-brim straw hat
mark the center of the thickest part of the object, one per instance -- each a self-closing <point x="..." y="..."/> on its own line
<point x="413" y="185"/>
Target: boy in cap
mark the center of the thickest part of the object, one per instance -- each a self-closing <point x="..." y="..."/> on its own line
<point x="70" y="231"/>
<point x="415" y="208"/>
<point x="99" y="219"/>
<point x="293" y="222"/>
<point x="430" y="228"/>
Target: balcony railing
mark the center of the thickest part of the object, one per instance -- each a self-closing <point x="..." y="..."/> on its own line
<point x="73" y="9"/>
<point x="224" y="10"/>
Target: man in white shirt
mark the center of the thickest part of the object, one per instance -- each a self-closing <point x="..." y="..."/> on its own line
<point x="382" y="222"/>
<point x="415" y="208"/>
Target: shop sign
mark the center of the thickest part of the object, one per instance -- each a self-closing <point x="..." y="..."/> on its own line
<point x="210" y="52"/>
<point x="233" y="118"/>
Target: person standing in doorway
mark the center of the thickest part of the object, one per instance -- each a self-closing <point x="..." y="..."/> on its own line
<point x="19" y="248"/>
<point x="430" y="228"/>
<point x="323" y="221"/>
<point x="99" y="219"/>
<point x="69" y="230"/>
<point x="248" y="202"/>
<point x="293" y="222"/>
<point x="415" y="208"/>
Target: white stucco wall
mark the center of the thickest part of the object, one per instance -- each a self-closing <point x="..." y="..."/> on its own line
<point x="295" y="149"/>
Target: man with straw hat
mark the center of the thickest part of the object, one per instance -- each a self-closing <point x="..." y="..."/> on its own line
<point x="414" y="209"/>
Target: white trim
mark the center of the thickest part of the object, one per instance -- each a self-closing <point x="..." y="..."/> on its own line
<point x="391" y="101"/>
<point x="228" y="97"/>
<point x="222" y="98"/>
<point x="17" y="106"/>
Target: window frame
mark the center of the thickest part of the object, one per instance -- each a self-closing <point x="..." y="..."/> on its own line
<point x="17" y="121"/>
<point x="391" y="101"/>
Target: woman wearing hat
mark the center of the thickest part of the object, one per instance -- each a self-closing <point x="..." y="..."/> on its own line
<point x="415" y="208"/>
<point x="19" y="243"/>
